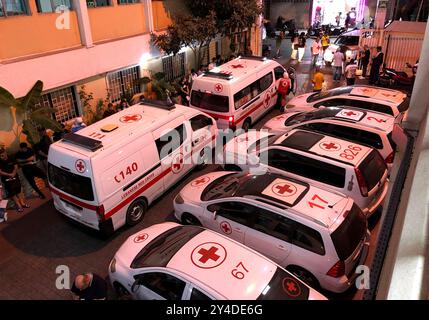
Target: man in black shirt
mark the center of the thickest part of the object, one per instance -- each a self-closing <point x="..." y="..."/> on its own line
<point x="365" y="59"/>
<point x="27" y="161"/>
<point x="377" y="62"/>
<point x="89" y="286"/>
<point x="42" y="148"/>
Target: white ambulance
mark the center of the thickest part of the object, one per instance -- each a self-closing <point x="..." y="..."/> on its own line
<point x="106" y="175"/>
<point x="238" y="92"/>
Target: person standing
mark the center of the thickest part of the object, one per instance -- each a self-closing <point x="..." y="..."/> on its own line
<point x="10" y="179"/>
<point x="318" y="80"/>
<point x="338" y="19"/>
<point x="122" y="106"/>
<point x="294" y="40"/>
<point x="315" y="51"/>
<point x="89" y="286"/>
<point x="377" y="61"/>
<point x="78" y="125"/>
<point x="366" y="54"/>
<point x="279" y="40"/>
<point x="337" y="64"/>
<point x="301" y="46"/>
<point x="27" y="161"/>
<point x="283" y="90"/>
<point x="325" y="42"/>
<point x="109" y="111"/>
<point x="347" y="21"/>
<point x="42" y="148"/>
<point x="350" y="73"/>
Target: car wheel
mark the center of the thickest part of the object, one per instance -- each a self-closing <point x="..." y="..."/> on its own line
<point x="305" y="276"/>
<point x="121" y="291"/>
<point x="136" y="212"/>
<point x="189" y="219"/>
<point x="246" y="125"/>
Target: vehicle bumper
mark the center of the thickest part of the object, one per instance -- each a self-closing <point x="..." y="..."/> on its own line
<point x="378" y="201"/>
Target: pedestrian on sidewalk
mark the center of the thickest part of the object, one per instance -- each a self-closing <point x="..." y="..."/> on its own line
<point x="337" y="64"/>
<point x="377" y="62"/>
<point x="316" y="46"/>
<point x="279" y="40"/>
<point x="318" y="80"/>
<point x="10" y="179"/>
<point x="27" y="161"/>
<point x="366" y="54"/>
<point x="89" y="286"/>
<point x="42" y="148"/>
<point x="284" y="86"/>
<point x="301" y="46"/>
<point x="350" y="73"/>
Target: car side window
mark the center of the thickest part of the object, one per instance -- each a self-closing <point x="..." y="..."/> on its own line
<point x="308" y="238"/>
<point x="274" y="225"/>
<point x="239" y="212"/>
<point x="165" y="285"/>
<point x="331" y="103"/>
<point x="198" y="295"/>
<point x="200" y="121"/>
<point x="171" y="141"/>
<point x="367" y="105"/>
<point x="278" y="72"/>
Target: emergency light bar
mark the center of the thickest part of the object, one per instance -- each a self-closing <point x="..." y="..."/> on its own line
<point x="82" y="141"/>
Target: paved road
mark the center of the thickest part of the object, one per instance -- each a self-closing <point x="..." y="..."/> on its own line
<point x="34" y="244"/>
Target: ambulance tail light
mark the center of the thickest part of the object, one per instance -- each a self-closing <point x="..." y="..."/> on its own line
<point x="231" y="122"/>
<point x="100" y="213"/>
<point x="337" y="270"/>
<point x="362" y="183"/>
<point x="390" y="158"/>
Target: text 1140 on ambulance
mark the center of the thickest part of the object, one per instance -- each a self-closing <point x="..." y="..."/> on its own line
<point x="106" y="175"/>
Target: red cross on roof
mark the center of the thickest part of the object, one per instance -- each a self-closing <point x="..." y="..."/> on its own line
<point x="200" y="181"/>
<point x="330" y="146"/>
<point x="141" y="237"/>
<point x="235" y="66"/>
<point x="130" y="118"/>
<point x="208" y="254"/>
<point x="284" y="188"/>
<point x="349" y="113"/>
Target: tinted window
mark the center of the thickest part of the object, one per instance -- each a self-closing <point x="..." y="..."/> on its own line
<point x="284" y="286"/>
<point x="198" y="295"/>
<point x="253" y="90"/>
<point x="312" y="115"/>
<point x="200" y="121"/>
<point x="347" y="40"/>
<point x="306" y="167"/>
<point x="348" y="235"/>
<point x="308" y="239"/>
<point x="361" y="136"/>
<point x="274" y="225"/>
<point x="330" y="93"/>
<point x="369" y="106"/>
<point x="159" y="251"/>
<point x="372" y="169"/>
<point x="239" y="212"/>
<point x="70" y="183"/>
<point x="169" y="142"/>
<point x="331" y="103"/>
<point x="266" y="81"/>
<point x="223" y="187"/>
<point x="302" y="140"/>
<point x="209" y="101"/>
<point x="278" y="72"/>
<point x="167" y="286"/>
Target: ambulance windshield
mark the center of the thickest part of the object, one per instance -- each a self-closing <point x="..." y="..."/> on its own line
<point x="209" y="101"/>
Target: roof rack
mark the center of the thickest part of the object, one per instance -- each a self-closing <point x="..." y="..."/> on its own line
<point x="82" y="141"/>
<point x="221" y="75"/>
<point x="257" y="58"/>
<point x="159" y="104"/>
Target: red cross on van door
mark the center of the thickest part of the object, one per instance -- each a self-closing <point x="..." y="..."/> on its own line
<point x="178" y="163"/>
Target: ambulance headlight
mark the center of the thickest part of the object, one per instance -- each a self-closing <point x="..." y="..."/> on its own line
<point x="348" y="53"/>
<point x="112" y="266"/>
<point x="179" y="199"/>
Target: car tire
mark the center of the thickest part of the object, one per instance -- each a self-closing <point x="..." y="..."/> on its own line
<point x="246" y="125"/>
<point x="136" y="211"/>
<point x="305" y="276"/>
<point x="189" y="219"/>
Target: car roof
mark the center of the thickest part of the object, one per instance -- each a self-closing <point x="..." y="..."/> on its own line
<point x="322" y="145"/>
<point x="382" y="94"/>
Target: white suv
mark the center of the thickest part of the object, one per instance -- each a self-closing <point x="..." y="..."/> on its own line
<point x="320" y="236"/>
<point x="374" y="129"/>
<point x="325" y="161"/>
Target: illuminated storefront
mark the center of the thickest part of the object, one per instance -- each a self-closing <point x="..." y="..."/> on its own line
<point x="326" y="11"/>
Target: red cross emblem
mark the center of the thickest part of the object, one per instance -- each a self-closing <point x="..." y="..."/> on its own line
<point x="218" y="87"/>
<point x="284" y="189"/>
<point x="348" y="113"/>
<point x="177" y="164"/>
<point x="141" y="237"/>
<point x="387" y="95"/>
<point x="291" y="287"/>
<point x="129" y="118"/>
<point x="200" y="181"/>
<point x="80" y="166"/>
<point x="331" y="146"/>
<point x="208" y="255"/>
<point x="280" y="117"/>
<point x="365" y="90"/>
<point x="267" y="99"/>
<point x="235" y="66"/>
<point x="226" y="227"/>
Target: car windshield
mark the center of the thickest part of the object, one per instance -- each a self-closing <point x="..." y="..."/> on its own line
<point x="347" y="41"/>
<point x="71" y="183"/>
<point x="223" y="187"/>
<point x="160" y="250"/>
<point x="329" y="93"/>
<point x="373" y="168"/>
<point x="348" y="235"/>
<point x="209" y="101"/>
<point x="312" y="115"/>
<point x="283" y="286"/>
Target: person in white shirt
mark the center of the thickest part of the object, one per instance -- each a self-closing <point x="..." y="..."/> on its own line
<point x="315" y="51"/>
<point x="350" y="73"/>
<point x="337" y="64"/>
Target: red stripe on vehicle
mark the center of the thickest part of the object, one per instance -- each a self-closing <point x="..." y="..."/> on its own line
<point x="73" y="200"/>
<point x="249" y="112"/>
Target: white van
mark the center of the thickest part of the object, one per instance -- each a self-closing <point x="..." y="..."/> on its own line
<point x="238" y="92"/>
<point x="106" y="175"/>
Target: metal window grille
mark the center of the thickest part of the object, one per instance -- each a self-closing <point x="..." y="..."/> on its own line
<point x="122" y="82"/>
<point x="13" y="7"/>
<point x="174" y="66"/>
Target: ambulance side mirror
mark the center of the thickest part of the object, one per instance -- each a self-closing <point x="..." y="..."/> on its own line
<point x="135" y="286"/>
<point x="214" y="215"/>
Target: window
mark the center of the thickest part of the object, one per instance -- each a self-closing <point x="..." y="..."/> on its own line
<point x="235" y="211"/>
<point x="266" y="81"/>
<point x="167" y="286"/>
<point x="198" y="295"/>
<point x="332" y="103"/>
<point x="13" y="8"/>
<point x="278" y="72"/>
<point x="274" y="225"/>
<point x="200" y="121"/>
<point x="250" y="92"/>
<point x="51" y="5"/>
<point x="174" y="66"/>
<point x="169" y="142"/>
<point x="128" y="1"/>
<point x="329" y="93"/>
<point x="210" y="102"/>
<point x="373" y="168"/>
<point x="123" y="82"/>
<point x="309" y="239"/>
<point x="97" y="3"/>
<point x="63" y="101"/>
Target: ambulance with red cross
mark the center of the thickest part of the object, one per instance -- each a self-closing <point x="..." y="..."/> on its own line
<point x="107" y="174"/>
<point x="377" y="130"/>
<point x="318" y="235"/>
<point x="169" y="261"/>
<point x="340" y="165"/>
<point x="238" y="92"/>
